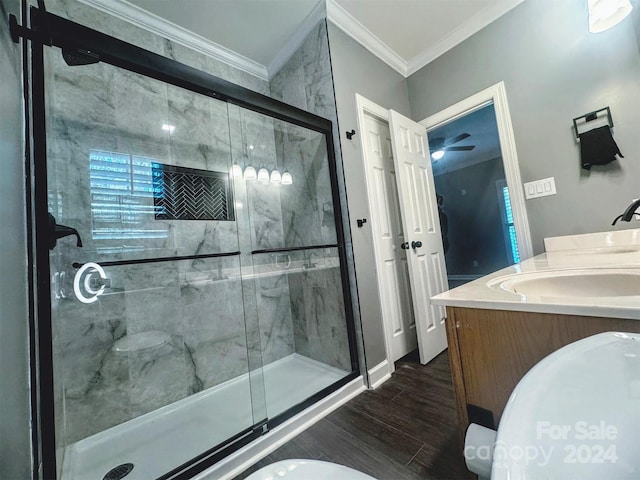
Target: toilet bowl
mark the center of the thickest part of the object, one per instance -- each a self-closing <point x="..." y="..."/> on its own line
<point x="574" y="415"/>
<point x="307" y="470"/>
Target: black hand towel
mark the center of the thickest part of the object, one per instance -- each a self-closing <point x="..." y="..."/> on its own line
<point x="597" y="147"/>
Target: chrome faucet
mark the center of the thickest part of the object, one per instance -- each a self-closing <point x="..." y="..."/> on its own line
<point x="629" y="212"/>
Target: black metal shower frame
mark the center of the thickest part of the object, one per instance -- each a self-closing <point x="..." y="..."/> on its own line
<point x="50" y="30"/>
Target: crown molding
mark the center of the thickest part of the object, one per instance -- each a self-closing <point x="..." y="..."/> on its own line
<point x="352" y="27"/>
<point x="460" y="34"/>
<point x="361" y="34"/>
<point x="318" y="13"/>
<point x="148" y="21"/>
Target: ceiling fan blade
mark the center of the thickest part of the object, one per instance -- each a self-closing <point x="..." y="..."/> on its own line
<point x="459" y="149"/>
<point x="459" y="138"/>
<point x="436" y="143"/>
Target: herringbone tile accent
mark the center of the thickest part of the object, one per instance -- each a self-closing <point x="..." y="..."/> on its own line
<point x="180" y="195"/>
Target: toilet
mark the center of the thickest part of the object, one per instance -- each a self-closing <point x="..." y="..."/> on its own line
<point x="574" y="415"/>
<point x="307" y="470"/>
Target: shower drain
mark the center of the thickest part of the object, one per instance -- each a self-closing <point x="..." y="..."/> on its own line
<point x="119" y="472"/>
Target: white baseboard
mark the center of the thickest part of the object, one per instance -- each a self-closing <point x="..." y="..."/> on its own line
<point x="379" y="374"/>
<point x="239" y="461"/>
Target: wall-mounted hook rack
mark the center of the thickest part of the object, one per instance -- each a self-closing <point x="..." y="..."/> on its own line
<point x="589" y="117"/>
<point x="350" y="134"/>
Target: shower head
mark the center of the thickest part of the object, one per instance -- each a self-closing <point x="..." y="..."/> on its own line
<point x="77" y="56"/>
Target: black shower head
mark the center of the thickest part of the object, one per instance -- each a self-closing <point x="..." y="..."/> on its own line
<point x="77" y="56"/>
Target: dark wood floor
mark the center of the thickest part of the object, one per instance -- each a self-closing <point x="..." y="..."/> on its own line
<point x="406" y="429"/>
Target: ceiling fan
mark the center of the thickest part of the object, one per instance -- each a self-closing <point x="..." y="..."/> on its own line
<point x="439" y="145"/>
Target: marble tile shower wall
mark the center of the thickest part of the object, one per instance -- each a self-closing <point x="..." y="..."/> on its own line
<point x="260" y="226"/>
<point x="318" y="317"/>
<point x="305" y="81"/>
<point x="204" y="332"/>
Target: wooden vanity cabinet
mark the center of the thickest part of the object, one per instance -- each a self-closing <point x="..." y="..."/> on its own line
<point x="491" y="350"/>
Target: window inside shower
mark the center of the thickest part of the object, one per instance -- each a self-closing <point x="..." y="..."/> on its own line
<point x="204" y="307"/>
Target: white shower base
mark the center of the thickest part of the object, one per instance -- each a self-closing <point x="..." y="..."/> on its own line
<point x="163" y="439"/>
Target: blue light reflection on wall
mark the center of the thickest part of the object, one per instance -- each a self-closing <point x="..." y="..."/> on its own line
<point x="512" y="229"/>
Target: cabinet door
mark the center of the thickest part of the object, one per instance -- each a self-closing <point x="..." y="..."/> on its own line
<point x="491" y="350"/>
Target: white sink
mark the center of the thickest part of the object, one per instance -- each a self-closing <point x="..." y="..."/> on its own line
<point x="595" y="282"/>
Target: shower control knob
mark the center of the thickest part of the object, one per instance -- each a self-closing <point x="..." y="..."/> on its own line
<point x="404" y="245"/>
<point x="417" y="244"/>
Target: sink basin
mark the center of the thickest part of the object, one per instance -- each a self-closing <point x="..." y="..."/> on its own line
<point x="614" y="282"/>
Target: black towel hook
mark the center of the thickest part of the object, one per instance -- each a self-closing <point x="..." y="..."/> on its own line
<point x="350" y="134"/>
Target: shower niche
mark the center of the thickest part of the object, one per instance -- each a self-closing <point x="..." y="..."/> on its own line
<point x="204" y="307"/>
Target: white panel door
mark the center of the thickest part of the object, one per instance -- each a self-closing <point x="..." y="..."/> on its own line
<point x="387" y="230"/>
<point x="421" y="225"/>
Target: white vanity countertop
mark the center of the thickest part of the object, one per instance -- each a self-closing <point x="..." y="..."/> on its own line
<point x="609" y="250"/>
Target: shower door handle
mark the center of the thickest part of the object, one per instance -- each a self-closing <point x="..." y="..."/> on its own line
<point x="56" y="231"/>
<point x="89" y="282"/>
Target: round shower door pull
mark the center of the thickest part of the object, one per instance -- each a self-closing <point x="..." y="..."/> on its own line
<point x="84" y="277"/>
<point x="417" y="244"/>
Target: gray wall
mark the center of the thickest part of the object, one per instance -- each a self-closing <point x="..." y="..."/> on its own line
<point x="554" y="70"/>
<point x="356" y="70"/>
<point x="15" y="443"/>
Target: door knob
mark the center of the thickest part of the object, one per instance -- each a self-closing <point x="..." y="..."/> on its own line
<point x="404" y="245"/>
<point x="417" y="244"/>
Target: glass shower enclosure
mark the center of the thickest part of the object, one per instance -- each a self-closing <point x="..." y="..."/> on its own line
<point x="194" y="303"/>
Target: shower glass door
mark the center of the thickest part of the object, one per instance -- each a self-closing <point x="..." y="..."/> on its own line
<point x="194" y="256"/>
<point x="155" y="358"/>
<point x="288" y="236"/>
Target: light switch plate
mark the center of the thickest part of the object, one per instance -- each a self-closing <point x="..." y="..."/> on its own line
<point x="540" y="188"/>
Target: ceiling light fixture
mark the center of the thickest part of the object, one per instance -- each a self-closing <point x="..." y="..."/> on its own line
<point x="437" y="155"/>
<point x="168" y="128"/>
<point x="604" y="14"/>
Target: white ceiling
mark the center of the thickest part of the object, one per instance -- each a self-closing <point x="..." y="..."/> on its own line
<point x="406" y="34"/>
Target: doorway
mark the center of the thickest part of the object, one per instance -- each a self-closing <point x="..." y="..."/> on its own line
<point x="405" y="229"/>
<point x="490" y="110"/>
<point x="473" y="197"/>
<point x="385" y="191"/>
